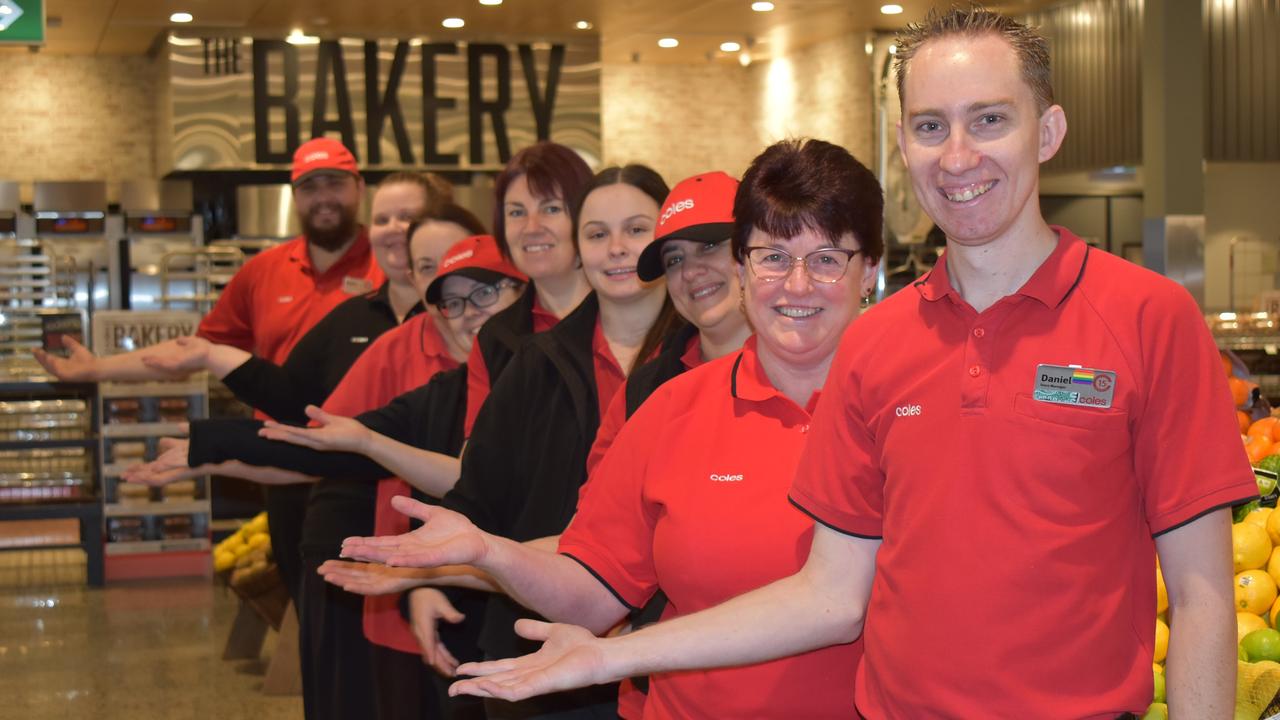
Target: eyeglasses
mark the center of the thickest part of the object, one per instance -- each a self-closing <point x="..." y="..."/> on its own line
<point x="481" y="297"/>
<point x="826" y="266"/>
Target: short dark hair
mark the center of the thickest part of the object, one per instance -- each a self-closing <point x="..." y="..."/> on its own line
<point x="552" y="170"/>
<point x="1030" y="46"/>
<point x="809" y="184"/>
<point x="438" y="190"/>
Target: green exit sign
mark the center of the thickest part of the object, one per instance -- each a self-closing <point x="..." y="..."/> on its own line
<point x="22" y="22"/>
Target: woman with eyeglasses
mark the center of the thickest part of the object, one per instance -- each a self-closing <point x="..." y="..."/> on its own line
<point x="692" y="496"/>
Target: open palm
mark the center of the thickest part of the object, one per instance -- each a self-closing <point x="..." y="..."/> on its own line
<point x="445" y="538"/>
<point x="570" y="657"/>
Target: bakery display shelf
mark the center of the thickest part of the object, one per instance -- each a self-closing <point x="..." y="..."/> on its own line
<point x="143" y="430"/>
<point x="161" y="507"/>
<point x="149" y="547"/>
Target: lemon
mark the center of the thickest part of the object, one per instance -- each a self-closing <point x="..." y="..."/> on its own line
<point x="223" y="560"/>
<point x="240" y="550"/>
<point x="1162" y="640"/>
<point x="1255" y="592"/>
<point x="1247" y="623"/>
<point x="1259" y="517"/>
<point x="259" y="540"/>
<point x="1273" y="527"/>
<point x="1157" y="667"/>
<point x="1250" y="546"/>
<point x="257" y="525"/>
<point x="1162" y="593"/>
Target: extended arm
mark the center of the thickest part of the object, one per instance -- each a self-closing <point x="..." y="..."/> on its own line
<point x="821" y="605"/>
<point x="83" y="366"/>
<point x="1196" y="562"/>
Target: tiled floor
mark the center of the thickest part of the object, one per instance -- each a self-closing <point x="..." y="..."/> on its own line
<point x="135" y="651"/>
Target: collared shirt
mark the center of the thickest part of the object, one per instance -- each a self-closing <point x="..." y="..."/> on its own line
<point x="692" y="498"/>
<point x="1018" y="532"/>
<point x="478" y="381"/>
<point x="615" y="415"/>
<point x="275" y="298"/>
<point x="609" y="375"/>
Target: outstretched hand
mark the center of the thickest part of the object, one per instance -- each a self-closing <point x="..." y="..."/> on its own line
<point x="445" y="538"/>
<point x="331" y="432"/>
<point x="370" y="578"/>
<point x="80" y="365"/>
<point x="182" y="356"/>
<point x="169" y="466"/>
<point x="570" y="657"/>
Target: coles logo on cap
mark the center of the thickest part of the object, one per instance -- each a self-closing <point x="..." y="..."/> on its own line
<point x="678" y="206"/>
<point x="452" y="259"/>
<point x="322" y="154"/>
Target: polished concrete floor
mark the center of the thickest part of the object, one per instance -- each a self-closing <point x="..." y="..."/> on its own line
<point x="135" y="651"/>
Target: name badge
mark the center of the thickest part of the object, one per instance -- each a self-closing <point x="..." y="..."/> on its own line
<point x="356" y="285"/>
<point x="1075" y="385"/>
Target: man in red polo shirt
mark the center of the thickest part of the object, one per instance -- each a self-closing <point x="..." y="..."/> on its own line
<point x="997" y="456"/>
<point x="280" y="293"/>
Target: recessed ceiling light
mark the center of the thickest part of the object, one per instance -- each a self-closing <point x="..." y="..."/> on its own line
<point x="453" y="23"/>
<point x="181" y="17"/>
<point x="582" y="25"/>
<point x="762" y="6"/>
<point x="297" y="38"/>
<point x="893" y="49"/>
<point x="744" y="58"/>
<point x="891" y="9"/>
<point x="490" y="2"/>
<point x="668" y="43"/>
<point x="730" y="46"/>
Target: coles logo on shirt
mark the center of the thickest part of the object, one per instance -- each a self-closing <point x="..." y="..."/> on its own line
<point x="726" y="478"/>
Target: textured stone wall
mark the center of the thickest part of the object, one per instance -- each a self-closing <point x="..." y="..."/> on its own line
<point x="77" y="118"/>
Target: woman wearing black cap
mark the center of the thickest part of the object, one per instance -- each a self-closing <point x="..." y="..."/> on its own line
<point x="691" y="498"/>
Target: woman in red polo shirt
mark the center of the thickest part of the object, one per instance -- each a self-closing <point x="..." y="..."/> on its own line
<point x="691" y="498"/>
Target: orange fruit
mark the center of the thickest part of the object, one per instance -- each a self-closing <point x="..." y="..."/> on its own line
<point x="1239" y="391"/>
<point x="1258" y="447"/>
<point x="1263" y="428"/>
<point x="1250" y="547"/>
<point x="1243" y="418"/>
<point x="1247" y="623"/>
<point x="1255" y="592"/>
<point x="1227" y="366"/>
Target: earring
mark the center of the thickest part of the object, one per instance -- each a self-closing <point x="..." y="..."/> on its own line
<point x="866" y="300"/>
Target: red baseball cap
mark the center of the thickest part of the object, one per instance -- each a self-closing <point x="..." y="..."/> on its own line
<point x="476" y="257"/>
<point x="322" y="154"/>
<point x="699" y="208"/>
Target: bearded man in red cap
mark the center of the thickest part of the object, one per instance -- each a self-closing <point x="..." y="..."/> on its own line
<point x="280" y="293"/>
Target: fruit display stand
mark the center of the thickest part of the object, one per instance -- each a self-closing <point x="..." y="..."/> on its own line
<point x="151" y="532"/>
<point x="243" y="561"/>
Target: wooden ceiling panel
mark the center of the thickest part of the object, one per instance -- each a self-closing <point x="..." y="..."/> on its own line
<point x="625" y="27"/>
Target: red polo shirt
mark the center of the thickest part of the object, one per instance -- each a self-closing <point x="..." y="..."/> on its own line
<point x="275" y="298"/>
<point x="478" y="380"/>
<point x="1018" y="533"/>
<point x="402" y="359"/>
<point x="692" y="498"/>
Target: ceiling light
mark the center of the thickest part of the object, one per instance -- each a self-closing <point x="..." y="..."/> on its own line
<point x="582" y="25"/>
<point x="668" y="43"/>
<point x="762" y="6"/>
<point x="891" y="9"/>
<point x="730" y="46"/>
<point x="893" y="49"/>
<point x="453" y="23"/>
<point x="869" y="47"/>
<point x="744" y="58"/>
<point x="297" y="38"/>
<point x="181" y="17"/>
<point x="490" y="2"/>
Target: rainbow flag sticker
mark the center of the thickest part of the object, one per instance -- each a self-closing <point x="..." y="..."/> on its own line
<point x="1082" y="377"/>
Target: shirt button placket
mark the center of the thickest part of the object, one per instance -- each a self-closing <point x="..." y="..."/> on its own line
<point x="974" y="392"/>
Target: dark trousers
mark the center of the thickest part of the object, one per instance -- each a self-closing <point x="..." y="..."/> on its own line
<point x="598" y="702"/>
<point x="286" y="508"/>
<point x="337" y="667"/>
